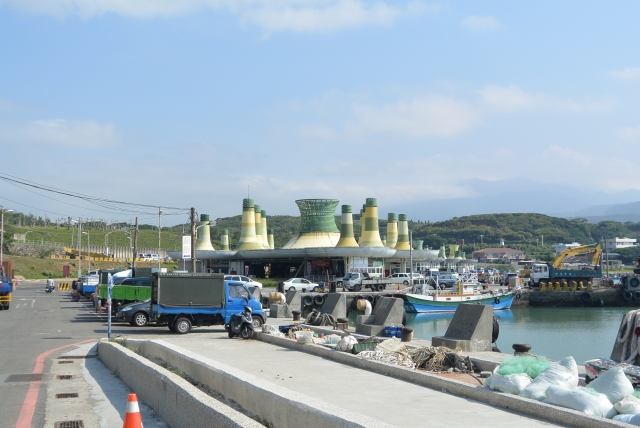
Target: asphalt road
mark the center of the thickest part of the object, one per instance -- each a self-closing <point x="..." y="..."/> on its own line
<point x="36" y="323"/>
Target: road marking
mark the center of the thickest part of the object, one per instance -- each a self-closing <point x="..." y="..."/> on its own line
<point x="30" y="401"/>
<point x="33" y="301"/>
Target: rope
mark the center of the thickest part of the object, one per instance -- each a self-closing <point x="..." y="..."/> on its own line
<point x="626" y="334"/>
<point x="320" y="319"/>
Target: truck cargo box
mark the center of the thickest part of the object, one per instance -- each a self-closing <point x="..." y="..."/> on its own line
<point x="173" y="290"/>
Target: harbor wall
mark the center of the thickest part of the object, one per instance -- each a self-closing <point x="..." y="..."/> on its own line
<point x="610" y="297"/>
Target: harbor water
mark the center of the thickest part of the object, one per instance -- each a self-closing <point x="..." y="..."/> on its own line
<point x="584" y="333"/>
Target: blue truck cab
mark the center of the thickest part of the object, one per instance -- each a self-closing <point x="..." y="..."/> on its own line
<point x="6" y="290"/>
<point x="187" y="300"/>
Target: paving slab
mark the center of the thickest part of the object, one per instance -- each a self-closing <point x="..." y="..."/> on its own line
<point x="392" y="401"/>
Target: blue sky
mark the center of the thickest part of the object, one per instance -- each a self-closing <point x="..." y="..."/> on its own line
<point x="187" y="103"/>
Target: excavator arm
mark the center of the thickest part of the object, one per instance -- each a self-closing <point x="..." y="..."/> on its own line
<point x="594" y="249"/>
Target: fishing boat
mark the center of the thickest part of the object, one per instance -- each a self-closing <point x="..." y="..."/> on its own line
<point x="424" y="301"/>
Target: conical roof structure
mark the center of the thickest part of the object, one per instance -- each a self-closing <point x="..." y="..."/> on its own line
<point x="248" y="239"/>
<point x="346" y="228"/>
<point x="317" y="224"/>
<point x="392" y="230"/>
<point x="224" y="240"/>
<point x="263" y="232"/>
<point x="258" y="214"/>
<point x="271" y="239"/>
<point x="203" y="241"/>
<point x="403" y="233"/>
<point x="371" y="232"/>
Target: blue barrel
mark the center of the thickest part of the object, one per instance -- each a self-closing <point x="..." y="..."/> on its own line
<point x="398" y="332"/>
<point x="389" y="331"/>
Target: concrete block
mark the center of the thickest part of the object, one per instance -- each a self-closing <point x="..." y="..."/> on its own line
<point x="388" y="311"/>
<point x="294" y="300"/>
<point x="470" y="329"/>
<point x="335" y="305"/>
<point x="279" y="311"/>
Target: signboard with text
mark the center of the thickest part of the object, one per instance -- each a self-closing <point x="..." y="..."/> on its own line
<point x="186" y="247"/>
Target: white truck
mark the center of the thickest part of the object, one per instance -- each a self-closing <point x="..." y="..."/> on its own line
<point x="356" y="281"/>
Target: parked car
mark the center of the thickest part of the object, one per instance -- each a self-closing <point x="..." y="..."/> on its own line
<point x="445" y="280"/>
<point x="295" y="284"/>
<point x="248" y="282"/>
<point x="403" y="278"/>
<point x="136" y="314"/>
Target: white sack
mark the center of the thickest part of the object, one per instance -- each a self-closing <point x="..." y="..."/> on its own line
<point x="614" y="384"/>
<point x="563" y="373"/>
<point x="581" y="399"/>
<point x="629" y="405"/>
<point x="346" y="344"/>
<point x="629" y="419"/>
<point x="512" y="384"/>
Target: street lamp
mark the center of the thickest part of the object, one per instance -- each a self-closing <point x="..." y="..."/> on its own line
<point x="2" y="239"/>
<point x="159" y="230"/>
<point x="88" y="249"/>
<point x="106" y="243"/>
<point x="128" y="235"/>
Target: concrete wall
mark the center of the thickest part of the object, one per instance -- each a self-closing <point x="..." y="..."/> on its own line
<point x="536" y="409"/>
<point x="175" y="400"/>
<point x="277" y="406"/>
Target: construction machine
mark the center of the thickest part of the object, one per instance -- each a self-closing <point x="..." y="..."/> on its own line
<point x="556" y="271"/>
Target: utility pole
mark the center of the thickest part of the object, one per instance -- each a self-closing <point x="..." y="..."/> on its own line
<point x="79" y="247"/>
<point x="193" y="238"/>
<point x="135" y="246"/>
<point x="159" y="229"/>
<point x="481" y="239"/>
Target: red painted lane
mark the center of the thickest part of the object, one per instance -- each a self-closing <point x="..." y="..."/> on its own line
<point x="30" y="401"/>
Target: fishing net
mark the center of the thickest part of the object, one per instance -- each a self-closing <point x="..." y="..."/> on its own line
<point x="440" y="359"/>
<point x="532" y="366"/>
<point x="388" y="357"/>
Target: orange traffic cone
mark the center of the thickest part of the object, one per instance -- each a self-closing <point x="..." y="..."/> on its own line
<point x="398" y="286"/>
<point x="132" y="418"/>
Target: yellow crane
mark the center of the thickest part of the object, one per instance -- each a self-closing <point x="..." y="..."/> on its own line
<point x="594" y="249"/>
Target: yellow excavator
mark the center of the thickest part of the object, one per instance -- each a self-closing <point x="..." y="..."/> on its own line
<point x="555" y="271"/>
<point x="594" y="249"/>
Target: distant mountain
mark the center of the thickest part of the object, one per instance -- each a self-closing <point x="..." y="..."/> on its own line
<point x="522" y="195"/>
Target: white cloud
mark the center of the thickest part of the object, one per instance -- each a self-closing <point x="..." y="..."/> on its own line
<point x="566" y="156"/>
<point x="421" y="117"/>
<point x="480" y="23"/>
<point x="629" y="133"/>
<point x="626" y="74"/>
<point x="60" y="133"/>
<point x="512" y="98"/>
<point x="270" y="15"/>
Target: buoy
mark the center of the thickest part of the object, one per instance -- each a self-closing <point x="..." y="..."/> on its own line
<point x="132" y="418"/>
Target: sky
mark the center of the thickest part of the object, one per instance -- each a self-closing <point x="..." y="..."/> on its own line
<point x="199" y="103"/>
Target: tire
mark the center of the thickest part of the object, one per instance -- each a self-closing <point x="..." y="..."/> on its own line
<point x="319" y="299"/>
<point x="6" y="307"/>
<point x="405" y="282"/>
<point x="339" y="284"/>
<point x="585" y="297"/>
<point x="496" y="300"/>
<point x="307" y="300"/>
<point x="518" y="296"/>
<point x="634" y="282"/>
<point x="226" y="327"/>
<point x="140" y="319"/>
<point x="636" y="296"/>
<point x="495" y="330"/>
<point x="627" y="296"/>
<point x="357" y="287"/>
<point x="292" y="288"/>
<point x="257" y="321"/>
<point x="182" y="325"/>
<point x="246" y="333"/>
<point x="381" y="287"/>
<point x="315" y="289"/>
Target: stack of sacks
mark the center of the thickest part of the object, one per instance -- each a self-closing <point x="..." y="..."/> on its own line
<point x="564" y="373"/>
<point x="515" y="374"/>
<point x="609" y="390"/>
